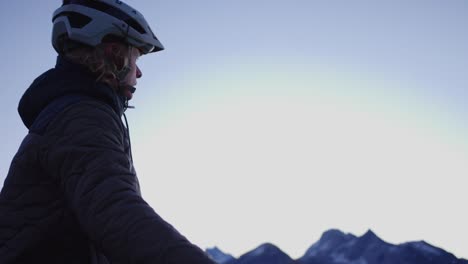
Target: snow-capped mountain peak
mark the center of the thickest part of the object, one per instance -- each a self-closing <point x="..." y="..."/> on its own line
<point x="336" y="247"/>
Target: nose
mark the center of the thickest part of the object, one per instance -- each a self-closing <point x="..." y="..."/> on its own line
<point x="138" y="72"/>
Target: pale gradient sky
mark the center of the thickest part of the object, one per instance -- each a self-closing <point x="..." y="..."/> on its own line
<point x="273" y="121"/>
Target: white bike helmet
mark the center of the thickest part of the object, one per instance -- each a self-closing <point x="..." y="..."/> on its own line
<point x="89" y="21"/>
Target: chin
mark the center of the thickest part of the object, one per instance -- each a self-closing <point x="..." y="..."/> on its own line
<point x="128" y="94"/>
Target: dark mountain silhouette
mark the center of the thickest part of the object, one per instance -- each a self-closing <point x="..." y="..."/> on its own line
<point x="266" y="253"/>
<point x="336" y="247"/>
<point x="219" y="256"/>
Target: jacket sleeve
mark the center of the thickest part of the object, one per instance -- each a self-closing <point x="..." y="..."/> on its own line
<point x="87" y="157"/>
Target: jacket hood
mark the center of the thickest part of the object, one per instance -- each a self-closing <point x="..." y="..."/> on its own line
<point x="65" y="79"/>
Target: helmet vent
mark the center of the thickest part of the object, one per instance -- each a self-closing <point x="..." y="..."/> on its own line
<point x="113" y="11"/>
<point x="77" y="20"/>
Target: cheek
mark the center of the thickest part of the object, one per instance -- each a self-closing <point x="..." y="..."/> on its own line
<point x="132" y="75"/>
<point x="133" y="69"/>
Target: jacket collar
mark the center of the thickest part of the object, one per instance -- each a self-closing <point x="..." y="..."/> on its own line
<point x="65" y="79"/>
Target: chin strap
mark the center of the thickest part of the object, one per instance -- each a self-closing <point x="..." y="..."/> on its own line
<point x="121" y="90"/>
<point x="128" y="134"/>
<point x="126" y="106"/>
<point x="121" y="75"/>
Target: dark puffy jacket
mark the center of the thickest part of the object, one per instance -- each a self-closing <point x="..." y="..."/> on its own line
<point x="71" y="194"/>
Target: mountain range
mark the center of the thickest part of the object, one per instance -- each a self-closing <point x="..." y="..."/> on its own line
<point x="336" y="247"/>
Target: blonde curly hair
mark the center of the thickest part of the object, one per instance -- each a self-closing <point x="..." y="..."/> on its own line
<point x="107" y="60"/>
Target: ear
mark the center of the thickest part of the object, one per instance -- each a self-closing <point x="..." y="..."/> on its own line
<point x="116" y="53"/>
<point x="109" y="50"/>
